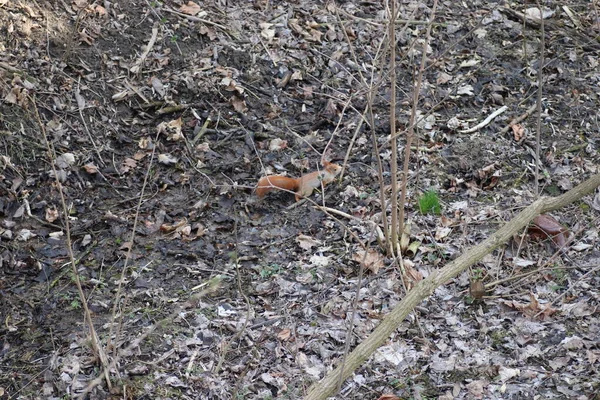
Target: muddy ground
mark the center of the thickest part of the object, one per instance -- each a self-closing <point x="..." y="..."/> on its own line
<point x="158" y="118"/>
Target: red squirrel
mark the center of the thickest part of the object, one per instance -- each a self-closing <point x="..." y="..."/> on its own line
<point x="303" y="186"/>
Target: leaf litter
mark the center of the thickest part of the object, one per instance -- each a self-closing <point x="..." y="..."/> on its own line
<point x="220" y="90"/>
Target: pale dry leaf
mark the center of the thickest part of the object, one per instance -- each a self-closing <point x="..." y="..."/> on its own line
<point x="146" y="143"/>
<point x="203" y="147"/>
<point x="167" y="159"/>
<point x="80" y="100"/>
<point x="388" y="396"/>
<point x="521" y="262"/>
<point x="51" y="214"/>
<point x="277" y="144"/>
<point x="80" y="4"/>
<point x="101" y="11"/>
<point x="190" y="8"/>
<point x="238" y="104"/>
<point x="466" y="90"/>
<point x="90" y="168"/>
<point x="319" y="261"/>
<point x="469" y="63"/>
<point x="505" y="373"/>
<point x="284" y="334"/>
<point x="266" y="31"/>
<point x="87" y="239"/>
<point x="64" y="160"/>
<point x="127" y="165"/>
<point x="24" y="235"/>
<point x="442" y="232"/>
<point x="596" y="201"/>
<point x="158" y="86"/>
<point x="371" y="260"/>
<point x="307" y="242"/>
<point x="56" y="235"/>
<point x="443" y="78"/>
<point x="518" y="132"/>
<point x="534" y="13"/>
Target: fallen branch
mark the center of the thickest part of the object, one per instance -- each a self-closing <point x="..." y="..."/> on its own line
<point x="520" y="118"/>
<point x="138" y="64"/>
<point x="326" y="387"/>
<point x="485" y="121"/>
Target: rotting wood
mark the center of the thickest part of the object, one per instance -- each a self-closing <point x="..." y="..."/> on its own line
<point x="326" y="387"/>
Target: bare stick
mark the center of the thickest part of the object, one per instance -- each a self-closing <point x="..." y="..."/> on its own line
<point x="138" y="64"/>
<point x="394" y="144"/>
<point x="520" y="118"/>
<point x="412" y="122"/>
<point x="539" y="100"/>
<point x="87" y="315"/>
<point x="485" y="121"/>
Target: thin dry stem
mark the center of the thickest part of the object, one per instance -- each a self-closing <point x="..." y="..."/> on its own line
<point x="394" y="142"/>
<point x="540" y="91"/>
<point x="413" y="116"/>
<point x="87" y="315"/>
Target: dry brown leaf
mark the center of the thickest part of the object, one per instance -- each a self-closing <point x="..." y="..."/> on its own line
<point x="277" y="144"/>
<point x="477" y="289"/>
<point x="190" y="8"/>
<point x="90" y="168"/>
<point x="51" y="214"/>
<point x="238" y="104"/>
<point x="544" y="226"/>
<point x="127" y="165"/>
<point x="372" y="261"/>
<point x="518" y="132"/>
<point x="167" y="228"/>
<point x="388" y="397"/>
<point x="284" y="334"/>
<point x="307" y="242"/>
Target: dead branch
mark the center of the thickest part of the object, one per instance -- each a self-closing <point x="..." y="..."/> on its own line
<point x="426" y="287"/>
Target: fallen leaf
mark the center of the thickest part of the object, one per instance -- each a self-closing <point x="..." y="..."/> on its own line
<point x="238" y="104"/>
<point x="307" y="242"/>
<point x="167" y="159"/>
<point x="544" y="226"/>
<point x="190" y="8"/>
<point x="518" y="132"/>
<point x="51" y="214"/>
<point x="284" y="334"/>
<point x="371" y="260"/>
<point x="277" y="144"/>
<point x="319" y="261"/>
<point x="90" y="168"/>
<point x="477" y="289"/>
<point x="127" y="165"/>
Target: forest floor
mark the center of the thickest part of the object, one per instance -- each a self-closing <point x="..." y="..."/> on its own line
<point x="162" y="116"/>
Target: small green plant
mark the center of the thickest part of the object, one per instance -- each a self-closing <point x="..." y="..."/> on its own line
<point x="429" y="203"/>
<point x="75" y="304"/>
<point x="270" y="270"/>
<point x="559" y="274"/>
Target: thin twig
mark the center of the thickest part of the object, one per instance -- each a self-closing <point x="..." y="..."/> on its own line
<point x="485" y="121"/>
<point x="87" y="314"/>
<point x="540" y="91"/>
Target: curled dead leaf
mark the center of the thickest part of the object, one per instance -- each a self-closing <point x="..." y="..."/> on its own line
<point x="307" y="242"/>
<point x="51" y="214"/>
<point x="90" y="168"/>
<point x="544" y="226"/>
<point x="477" y="289"/>
<point x="371" y="259"/>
